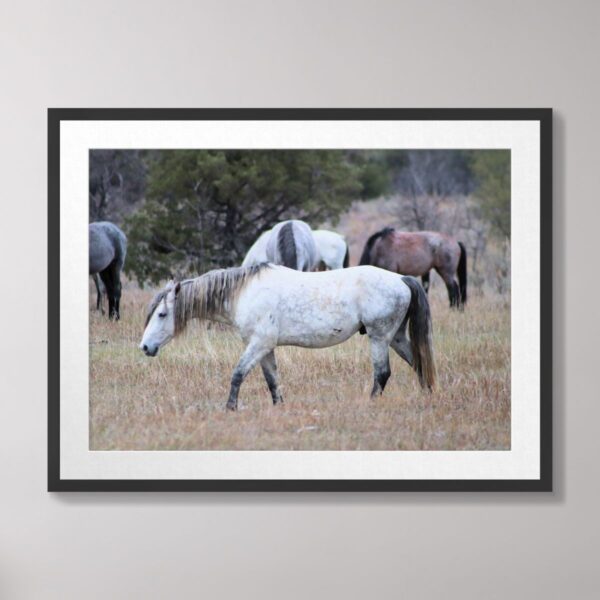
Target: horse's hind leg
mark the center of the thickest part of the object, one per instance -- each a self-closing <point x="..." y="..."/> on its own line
<point x="269" y="369"/>
<point x="254" y="353"/>
<point x="107" y="280"/>
<point x="380" y="356"/>
<point x="401" y="344"/>
<point x="425" y="281"/>
<point x="111" y="279"/>
<point x="117" y="292"/>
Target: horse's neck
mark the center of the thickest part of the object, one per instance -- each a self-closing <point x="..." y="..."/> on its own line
<point x="218" y="316"/>
<point x="223" y="317"/>
<point x="198" y="311"/>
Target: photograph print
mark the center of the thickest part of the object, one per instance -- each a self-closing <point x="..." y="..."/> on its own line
<point x="293" y="313"/>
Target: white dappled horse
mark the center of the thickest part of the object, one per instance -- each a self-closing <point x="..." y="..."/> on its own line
<point x="331" y="247"/>
<point x="274" y="306"/>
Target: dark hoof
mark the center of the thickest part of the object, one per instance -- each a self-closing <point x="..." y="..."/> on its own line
<point x="230" y="406"/>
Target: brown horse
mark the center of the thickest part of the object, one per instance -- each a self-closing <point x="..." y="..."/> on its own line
<point x="416" y="254"/>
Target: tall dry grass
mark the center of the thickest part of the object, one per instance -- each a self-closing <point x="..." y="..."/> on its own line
<point x="176" y="401"/>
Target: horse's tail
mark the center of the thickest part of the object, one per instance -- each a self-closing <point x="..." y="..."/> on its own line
<point x="123" y="248"/>
<point x="286" y="244"/>
<point x="365" y="259"/>
<point x="419" y="329"/>
<point x="346" y="257"/>
<point x="462" y="274"/>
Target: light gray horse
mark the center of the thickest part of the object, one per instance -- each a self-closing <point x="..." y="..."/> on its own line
<point x="273" y="306"/>
<point x="292" y="245"/>
<point x="331" y="247"/>
<point x="108" y="247"/>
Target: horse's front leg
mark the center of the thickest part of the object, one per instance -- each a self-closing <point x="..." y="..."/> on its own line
<point x="269" y="369"/>
<point x="98" y="293"/>
<point x="254" y="353"/>
<point x="425" y="281"/>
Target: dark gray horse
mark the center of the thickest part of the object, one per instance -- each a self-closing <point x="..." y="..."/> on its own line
<point x="108" y="247"/>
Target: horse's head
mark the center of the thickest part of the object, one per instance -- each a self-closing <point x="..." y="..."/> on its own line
<point x="160" y="321"/>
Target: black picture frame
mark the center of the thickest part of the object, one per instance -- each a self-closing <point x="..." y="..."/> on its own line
<point x="58" y="115"/>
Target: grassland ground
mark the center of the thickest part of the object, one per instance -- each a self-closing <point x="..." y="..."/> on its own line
<point x="176" y="401"/>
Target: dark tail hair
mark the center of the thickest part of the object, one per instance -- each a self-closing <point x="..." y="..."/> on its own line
<point x="462" y="274"/>
<point x="347" y="257"/>
<point x="365" y="259"/>
<point x="419" y="329"/>
<point x="286" y="244"/>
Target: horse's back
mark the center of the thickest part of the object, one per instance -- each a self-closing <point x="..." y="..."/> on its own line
<point x="318" y="309"/>
<point x="354" y="284"/>
<point x="258" y="251"/>
<point x="414" y="252"/>
<point x="291" y="243"/>
<point x="107" y="244"/>
<point x="331" y="247"/>
<point x="444" y="248"/>
<point x="407" y="253"/>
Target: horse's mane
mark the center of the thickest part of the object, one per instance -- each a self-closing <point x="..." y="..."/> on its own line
<point x="206" y="296"/>
<point x="366" y="255"/>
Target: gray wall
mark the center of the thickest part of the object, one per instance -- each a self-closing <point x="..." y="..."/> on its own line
<point x="393" y="54"/>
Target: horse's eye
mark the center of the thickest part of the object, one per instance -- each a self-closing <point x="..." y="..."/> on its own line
<point x="162" y="315"/>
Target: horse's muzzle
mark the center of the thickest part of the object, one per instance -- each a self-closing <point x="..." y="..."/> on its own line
<point x="150" y="351"/>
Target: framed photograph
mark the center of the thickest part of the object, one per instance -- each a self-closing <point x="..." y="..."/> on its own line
<point x="300" y="299"/>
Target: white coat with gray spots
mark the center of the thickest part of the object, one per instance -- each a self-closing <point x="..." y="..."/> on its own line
<point x="274" y="306"/>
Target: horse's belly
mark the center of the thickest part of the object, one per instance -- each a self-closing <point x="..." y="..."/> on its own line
<point x="316" y="339"/>
<point x="317" y="333"/>
<point x="418" y="265"/>
<point x="99" y="261"/>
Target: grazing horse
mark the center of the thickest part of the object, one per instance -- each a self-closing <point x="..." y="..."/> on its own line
<point x="331" y="247"/>
<point x="292" y="245"/>
<point x="416" y="254"/>
<point x="108" y="247"/>
<point x="258" y="251"/>
<point x="274" y="306"/>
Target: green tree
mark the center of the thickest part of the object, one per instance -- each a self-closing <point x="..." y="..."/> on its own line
<point x="492" y="171"/>
<point x="205" y="208"/>
<point x="374" y="171"/>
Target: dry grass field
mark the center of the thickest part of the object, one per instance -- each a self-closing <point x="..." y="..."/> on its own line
<point x="176" y="401"/>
